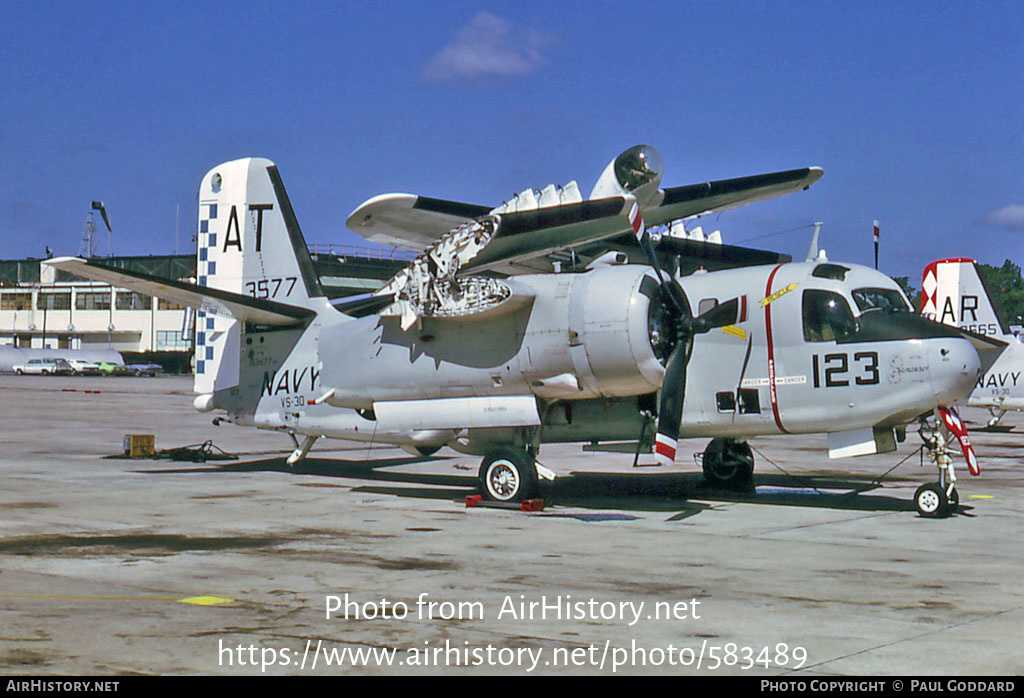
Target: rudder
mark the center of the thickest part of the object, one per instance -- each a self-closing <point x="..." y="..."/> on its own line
<point x="248" y="242"/>
<point x="953" y="293"/>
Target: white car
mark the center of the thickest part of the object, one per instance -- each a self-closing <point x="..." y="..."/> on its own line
<point x="84" y="368"/>
<point x="44" y="367"/>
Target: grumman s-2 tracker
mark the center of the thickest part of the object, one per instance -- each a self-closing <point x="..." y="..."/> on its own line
<point x="554" y="318"/>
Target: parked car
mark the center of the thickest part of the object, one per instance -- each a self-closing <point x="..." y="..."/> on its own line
<point x="144" y="369"/>
<point x="109" y="369"/>
<point x="45" y="367"/>
<point x="84" y="368"/>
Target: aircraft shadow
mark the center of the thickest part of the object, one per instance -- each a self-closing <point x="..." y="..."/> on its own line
<point x="641" y="491"/>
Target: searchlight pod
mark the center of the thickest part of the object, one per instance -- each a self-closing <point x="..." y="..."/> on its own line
<point x="636" y="171"/>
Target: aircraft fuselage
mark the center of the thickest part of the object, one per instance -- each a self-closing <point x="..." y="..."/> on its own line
<point x="586" y="348"/>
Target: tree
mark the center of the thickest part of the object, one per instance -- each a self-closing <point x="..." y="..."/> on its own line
<point x="1006" y="288"/>
<point x="912" y="293"/>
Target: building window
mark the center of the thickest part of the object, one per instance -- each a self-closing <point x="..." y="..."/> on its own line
<point x="15" y="301"/>
<point x="129" y="300"/>
<point x="162" y="304"/>
<point x="171" y="341"/>
<point x="54" y="301"/>
<point x="92" y="300"/>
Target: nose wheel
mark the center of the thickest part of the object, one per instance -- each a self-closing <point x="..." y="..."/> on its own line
<point x="937" y="500"/>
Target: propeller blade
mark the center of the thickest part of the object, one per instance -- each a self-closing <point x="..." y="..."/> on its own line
<point x="667" y="282"/>
<point x="640" y="230"/>
<point x="670" y="412"/>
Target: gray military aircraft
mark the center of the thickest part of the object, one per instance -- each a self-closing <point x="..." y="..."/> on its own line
<point x="462" y="348"/>
<point x="953" y="293"/>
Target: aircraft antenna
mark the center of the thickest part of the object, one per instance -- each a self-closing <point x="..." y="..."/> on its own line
<point x="812" y="251"/>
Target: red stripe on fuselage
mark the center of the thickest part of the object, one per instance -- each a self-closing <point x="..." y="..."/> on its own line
<point x="771" y="352"/>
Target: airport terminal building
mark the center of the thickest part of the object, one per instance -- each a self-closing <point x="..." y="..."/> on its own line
<point x="41" y="308"/>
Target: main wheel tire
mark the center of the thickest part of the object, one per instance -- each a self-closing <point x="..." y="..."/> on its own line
<point x="508" y="475"/>
<point x="728" y="465"/>
<point x="931" y="501"/>
<point x="427" y="451"/>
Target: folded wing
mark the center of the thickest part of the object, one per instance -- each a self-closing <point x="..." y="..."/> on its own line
<point x="415" y="222"/>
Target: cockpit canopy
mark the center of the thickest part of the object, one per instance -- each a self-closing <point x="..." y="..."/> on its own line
<point x="887" y="299"/>
<point x="827" y="317"/>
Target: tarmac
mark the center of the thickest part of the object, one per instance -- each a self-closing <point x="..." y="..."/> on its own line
<point x="366" y="560"/>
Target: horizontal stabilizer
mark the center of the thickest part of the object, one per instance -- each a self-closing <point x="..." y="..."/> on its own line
<point x="211" y="300"/>
<point x="989" y="348"/>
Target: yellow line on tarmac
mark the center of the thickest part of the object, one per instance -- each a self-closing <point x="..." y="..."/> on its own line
<point x="981" y="496"/>
<point x="205" y="600"/>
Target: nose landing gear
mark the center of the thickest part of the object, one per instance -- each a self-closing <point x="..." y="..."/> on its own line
<point x="937" y="500"/>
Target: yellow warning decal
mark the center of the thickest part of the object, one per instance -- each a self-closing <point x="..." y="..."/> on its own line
<point x="205" y="600"/>
<point x="778" y="294"/>
<point x="735" y="331"/>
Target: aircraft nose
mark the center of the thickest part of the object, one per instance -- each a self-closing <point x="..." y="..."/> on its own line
<point x="956" y="369"/>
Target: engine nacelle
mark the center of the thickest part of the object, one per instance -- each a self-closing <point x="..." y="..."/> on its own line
<point x="608" y="328"/>
<point x="603" y="333"/>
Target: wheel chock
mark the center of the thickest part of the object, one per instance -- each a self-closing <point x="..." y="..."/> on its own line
<point x="476" y="500"/>
<point x="531" y="505"/>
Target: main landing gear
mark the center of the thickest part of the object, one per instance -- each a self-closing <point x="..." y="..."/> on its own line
<point x="728" y="464"/>
<point x="508" y="475"/>
<point x="937" y="500"/>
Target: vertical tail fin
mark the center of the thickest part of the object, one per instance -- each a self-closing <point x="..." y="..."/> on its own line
<point x="953" y="293"/>
<point x="249" y="242"/>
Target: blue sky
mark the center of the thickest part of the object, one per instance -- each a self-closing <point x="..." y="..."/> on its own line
<point x="914" y="109"/>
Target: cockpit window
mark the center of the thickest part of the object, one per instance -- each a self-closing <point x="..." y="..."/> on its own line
<point x="830" y="271"/>
<point x="880" y="299"/>
<point x="827" y="317"/>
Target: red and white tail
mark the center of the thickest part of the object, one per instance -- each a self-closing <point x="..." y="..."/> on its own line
<point x="953" y="293"/>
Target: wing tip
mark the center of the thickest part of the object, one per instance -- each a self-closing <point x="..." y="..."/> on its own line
<point x="392" y="197"/>
<point x="58" y="261"/>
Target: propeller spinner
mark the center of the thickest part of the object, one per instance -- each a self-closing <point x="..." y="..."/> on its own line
<point x="687" y="326"/>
